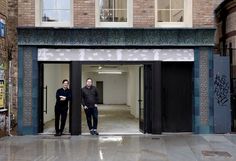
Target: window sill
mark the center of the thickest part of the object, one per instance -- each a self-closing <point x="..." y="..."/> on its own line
<point x="114" y="24"/>
<point x="56" y="25"/>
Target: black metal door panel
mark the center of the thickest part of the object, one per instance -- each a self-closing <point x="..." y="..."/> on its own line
<point x="177" y="97"/>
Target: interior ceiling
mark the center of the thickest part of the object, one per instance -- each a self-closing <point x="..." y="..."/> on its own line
<point x="95" y="68"/>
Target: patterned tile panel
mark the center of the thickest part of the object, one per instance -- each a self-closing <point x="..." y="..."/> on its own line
<point x="27" y="88"/>
<point x="204" y="76"/>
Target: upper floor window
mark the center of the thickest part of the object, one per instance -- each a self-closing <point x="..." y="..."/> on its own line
<point x="174" y="13"/>
<point x="56" y="12"/>
<point x="113" y="13"/>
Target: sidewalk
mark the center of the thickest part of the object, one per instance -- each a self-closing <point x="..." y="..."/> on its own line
<point x="119" y="148"/>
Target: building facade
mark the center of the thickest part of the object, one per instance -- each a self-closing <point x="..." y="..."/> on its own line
<point x="173" y="40"/>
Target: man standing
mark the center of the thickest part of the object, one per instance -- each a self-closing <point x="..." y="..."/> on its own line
<point x="89" y="103"/>
<point x="63" y="95"/>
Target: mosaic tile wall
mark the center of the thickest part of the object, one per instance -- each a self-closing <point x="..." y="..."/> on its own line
<point x="27" y="91"/>
<point x="116" y="37"/>
<point x="203" y="91"/>
<point x="27" y="87"/>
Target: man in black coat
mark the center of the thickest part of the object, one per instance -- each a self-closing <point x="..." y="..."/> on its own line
<point x="89" y="103"/>
<point x="63" y="96"/>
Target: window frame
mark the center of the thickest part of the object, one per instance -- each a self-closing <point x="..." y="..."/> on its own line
<point x="187" y="17"/>
<point x="129" y="22"/>
<point x="39" y="11"/>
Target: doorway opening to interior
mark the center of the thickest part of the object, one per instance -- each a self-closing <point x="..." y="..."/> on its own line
<point x="121" y="97"/>
<point x="52" y="75"/>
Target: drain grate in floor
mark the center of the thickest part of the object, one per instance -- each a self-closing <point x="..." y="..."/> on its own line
<point x="155" y="138"/>
<point x="53" y="137"/>
<point x="208" y="153"/>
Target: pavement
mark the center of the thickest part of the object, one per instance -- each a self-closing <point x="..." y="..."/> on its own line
<point x="166" y="147"/>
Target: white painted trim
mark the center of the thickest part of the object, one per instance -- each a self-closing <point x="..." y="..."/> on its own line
<point x="116" y="55"/>
<point x="38" y="17"/>
<point x="37" y="12"/>
<point x="129" y="22"/>
<point x="188" y="18"/>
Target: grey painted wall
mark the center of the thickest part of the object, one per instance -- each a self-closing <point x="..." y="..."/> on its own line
<point x="222" y="109"/>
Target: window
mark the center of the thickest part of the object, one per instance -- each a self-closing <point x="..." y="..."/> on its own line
<point x="56" y="13"/>
<point x="113" y="13"/>
<point x="173" y="13"/>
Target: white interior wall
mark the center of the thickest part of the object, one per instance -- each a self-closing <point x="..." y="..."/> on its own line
<point x="119" y="89"/>
<point x="114" y="86"/>
<point x="53" y="76"/>
<point x="133" y="90"/>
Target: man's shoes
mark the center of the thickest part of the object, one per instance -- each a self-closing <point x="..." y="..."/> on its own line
<point x="57" y="134"/>
<point x="92" y="132"/>
<point x="95" y="132"/>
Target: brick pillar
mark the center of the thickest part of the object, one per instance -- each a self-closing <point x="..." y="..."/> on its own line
<point x="144" y="13"/>
<point x="84" y="13"/>
<point x="26" y="12"/>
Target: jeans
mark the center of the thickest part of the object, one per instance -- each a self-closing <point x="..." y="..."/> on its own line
<point x="92" y="113"/>
<point x="60" y="113"/>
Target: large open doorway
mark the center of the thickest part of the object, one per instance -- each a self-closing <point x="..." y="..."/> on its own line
<point x="121" y="97"/>
<point x="52" y="76"/>
<point x="146" y="97"/>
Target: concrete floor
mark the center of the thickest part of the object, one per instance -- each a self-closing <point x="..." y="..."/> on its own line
<point x="119" y="148"/>
<point x="113" y="119"/>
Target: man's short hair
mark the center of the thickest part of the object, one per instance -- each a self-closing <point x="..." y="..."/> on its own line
<point x="89" y="79"/>
<point x="65" y="80"/>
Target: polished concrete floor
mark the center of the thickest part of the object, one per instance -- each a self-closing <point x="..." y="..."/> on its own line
<point x="119" y="148"/>
<point x="113" y="119"/>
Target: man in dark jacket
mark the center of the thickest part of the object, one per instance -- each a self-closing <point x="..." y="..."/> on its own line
<point x="63" y="95"/>
<point x="89" y="103"/>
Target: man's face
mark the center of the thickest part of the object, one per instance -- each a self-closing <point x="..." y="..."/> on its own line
<point x="89" y="82"/>
<point x="66" y="85"/>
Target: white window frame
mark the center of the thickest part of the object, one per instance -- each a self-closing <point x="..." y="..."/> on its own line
<point x="129" y="22"/>
<point x="40" y="23"/>
<point x="187" y="17"/>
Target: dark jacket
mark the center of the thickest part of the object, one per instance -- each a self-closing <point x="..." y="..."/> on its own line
<point x="62" y="92"/>
<point x="89" y="96"/>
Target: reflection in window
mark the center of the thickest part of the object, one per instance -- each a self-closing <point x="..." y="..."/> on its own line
<point x="170" y="10"/>
<point x="113" y="10"/>
<point x="56" y="11"/>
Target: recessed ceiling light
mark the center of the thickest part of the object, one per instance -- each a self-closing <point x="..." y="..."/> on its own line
<point x="110" y="72"/>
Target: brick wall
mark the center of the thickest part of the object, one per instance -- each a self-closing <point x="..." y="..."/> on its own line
<point x="203" y="13"/>
<point x="231" y="22"/>
<point x="26" y="12"/>
<point x="8" y="9"/>
<point x="143" y="13"/>
<point x="12" y="37"/>
<point x="3" y="7"/>
<point x="84" y="13"/>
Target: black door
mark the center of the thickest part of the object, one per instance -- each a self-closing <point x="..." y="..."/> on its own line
<point x="41" y="98"/>
<point x="99" y="85"/>
<point x="177" y="97"/>
<point x="150" y="98"/>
